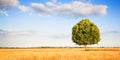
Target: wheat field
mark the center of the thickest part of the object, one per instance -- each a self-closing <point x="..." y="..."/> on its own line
<point x="60" y="54"/>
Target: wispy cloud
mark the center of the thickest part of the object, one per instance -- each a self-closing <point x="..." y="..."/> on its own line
<point x="114" y="32"/>
<point x="110" y="38"/>
<point x="55" y="36"/>
<point x="111" y="32"/>
<point x="60" y="36"/>
<point x="16" y="33"/>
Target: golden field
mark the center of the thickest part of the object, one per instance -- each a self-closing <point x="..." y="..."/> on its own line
<point x="60" y="54"/>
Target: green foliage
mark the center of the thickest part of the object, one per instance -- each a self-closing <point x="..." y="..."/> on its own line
<point x="85" y="33"/>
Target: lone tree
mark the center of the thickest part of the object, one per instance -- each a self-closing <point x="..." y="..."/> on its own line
<point x="85" y="33"/>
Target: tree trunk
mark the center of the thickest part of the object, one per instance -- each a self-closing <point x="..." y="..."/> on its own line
<point x="85" y="47"/>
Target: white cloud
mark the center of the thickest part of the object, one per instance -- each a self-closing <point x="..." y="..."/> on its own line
<point x="3" y="12"/>
<point x="23" y="8"/>
<point x="84" y="0"/>
<point x="41" y="9"/>
<point x="74" y="9"/>
<point x="7" y="5"/>
<point x="54" y="1"/>
<point x="50" y="4"/>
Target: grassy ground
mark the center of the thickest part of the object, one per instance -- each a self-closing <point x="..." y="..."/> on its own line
<point x="60" y="54"/>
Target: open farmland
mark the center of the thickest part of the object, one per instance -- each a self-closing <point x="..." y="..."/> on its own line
<point x="60" y="54"/>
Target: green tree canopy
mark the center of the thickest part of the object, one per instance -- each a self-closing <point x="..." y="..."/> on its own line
<point x="85" y="33"/>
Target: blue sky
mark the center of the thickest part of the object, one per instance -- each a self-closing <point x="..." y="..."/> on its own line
<point x="34" y="23"/>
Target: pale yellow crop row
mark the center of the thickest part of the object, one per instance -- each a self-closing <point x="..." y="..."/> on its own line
<point x="60" y="54"/>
